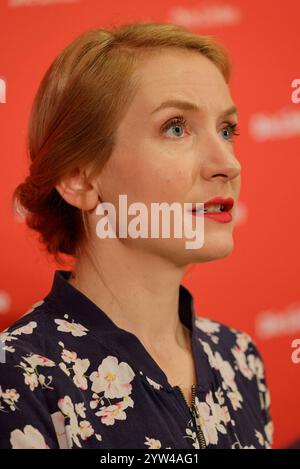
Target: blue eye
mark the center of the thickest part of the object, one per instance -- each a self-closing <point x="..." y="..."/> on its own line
<point x="232" y="129"/>
<point x="179" y="121"/>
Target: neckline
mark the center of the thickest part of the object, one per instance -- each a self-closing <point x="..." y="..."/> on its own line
<point x="65" y="298"/>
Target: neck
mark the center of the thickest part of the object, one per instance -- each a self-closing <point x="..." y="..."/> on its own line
<point x="142" y="300"/>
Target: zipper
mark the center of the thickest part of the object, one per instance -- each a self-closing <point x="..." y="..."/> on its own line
<point x="194" y="413"/>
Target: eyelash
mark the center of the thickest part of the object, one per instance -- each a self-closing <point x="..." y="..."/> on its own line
<point x="182" y="121"/>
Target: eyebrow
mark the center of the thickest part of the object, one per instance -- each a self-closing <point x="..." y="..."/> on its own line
<point x="188" y="106"/>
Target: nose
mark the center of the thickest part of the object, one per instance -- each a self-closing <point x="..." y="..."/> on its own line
<point x="218" y="159"/>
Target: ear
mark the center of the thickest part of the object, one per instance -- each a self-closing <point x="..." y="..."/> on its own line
<point x="76" y="190"/>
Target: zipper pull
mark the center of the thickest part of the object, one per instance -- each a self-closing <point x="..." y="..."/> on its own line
<point x="198" y="426"/>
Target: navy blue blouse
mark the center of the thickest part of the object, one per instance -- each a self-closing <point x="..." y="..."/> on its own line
<point x="71" y="378"/>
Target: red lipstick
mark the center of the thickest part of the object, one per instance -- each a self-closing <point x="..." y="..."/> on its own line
<point x="223" y="216"/>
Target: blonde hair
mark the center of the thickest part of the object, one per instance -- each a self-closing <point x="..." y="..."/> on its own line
<point x="76" y="112"/>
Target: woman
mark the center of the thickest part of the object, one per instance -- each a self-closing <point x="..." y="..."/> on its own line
<point x="114" y="356"/>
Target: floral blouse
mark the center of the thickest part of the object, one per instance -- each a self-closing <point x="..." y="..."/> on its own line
<point x="71" y="378"/>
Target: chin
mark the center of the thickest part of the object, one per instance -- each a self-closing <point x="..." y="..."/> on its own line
<point x="175" y="251"/>
<point x="214" y="247"/>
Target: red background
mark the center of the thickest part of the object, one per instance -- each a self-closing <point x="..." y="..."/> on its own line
<point x="261" y="276"/>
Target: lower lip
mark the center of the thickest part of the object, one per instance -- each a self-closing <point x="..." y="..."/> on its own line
<point x="222" y="217"/>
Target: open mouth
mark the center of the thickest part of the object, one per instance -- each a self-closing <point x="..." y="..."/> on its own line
<point x="217" y="205"/>
<point x="215" y="208"/>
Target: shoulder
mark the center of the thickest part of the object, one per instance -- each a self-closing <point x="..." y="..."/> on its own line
<point x="27" y="371"/>
<point x="224" y="338"/>
<point x="28" y="330"/>
<point x="34" y="330"/>
<point x="231" y="347"/>
<point x="35" y="340"/>
<point x="35" y="352"/>
<point x="27" y="348"/>
<point x="236" y="356"/>
<point x="39" y="331"/>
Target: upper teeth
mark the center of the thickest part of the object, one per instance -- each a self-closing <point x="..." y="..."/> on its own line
<point x="214" y="208"/>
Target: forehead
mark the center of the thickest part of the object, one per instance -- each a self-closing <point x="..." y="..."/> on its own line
<point x="180" y="74"/>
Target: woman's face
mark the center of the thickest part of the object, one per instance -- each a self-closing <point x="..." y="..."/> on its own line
<point x="191" y="162"/>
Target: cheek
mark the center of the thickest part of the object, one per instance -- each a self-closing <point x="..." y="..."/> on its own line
<point x="175" y="185"/>
<point x="166" y="184"/>
<point x="148" y="174"/>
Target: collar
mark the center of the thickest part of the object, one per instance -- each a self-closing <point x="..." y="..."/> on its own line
<point x="64" y="298"/>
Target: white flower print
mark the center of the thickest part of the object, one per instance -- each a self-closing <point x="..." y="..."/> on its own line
<point x="95" y="402"/>
<point x="30" y="438"/>
<point x="211" y="358"/>
<point x="80" y="409"/>
<point x="73" y="429"/>
<point x="257" y="368"/>
<point x="68" y="356"/>
<point x="64" y="368"/>
<point x="242" y="362"/>
<point x="31" y="375"/>
<point x="10" y="397"/>
<point x="226" y="371"/>
<point x="31" y="380"/>
<point x="237" y="445"/>
<point x="209" y="327"/>
<point x="66" y="406"/>
<point x="259" y="437"/>
<point x="192" y="435"/>
<point x="8" y="337"/>
<point x="38" y="360"/>
<point x="269" y="430"/>
<point x="76" y="329"/>
<point x="152" y="443"/>
<point x="211" y="416"/>
<point x="243" y="340"/>
<point x="85" y="429"/>
<point x="79" y="367"/>
<point x="26" y="329"/>
<point x="235" y="398"/>
<point x="112" y="378"/>
<point x="8" y="348"/>
<point x="220" y="396"/>
<point x="227" y="374"/>
<point x="252" y="365"/>
<point x="111" y="413"/>
<point x="248" y="362"/>
<point x="153" y="383"/>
